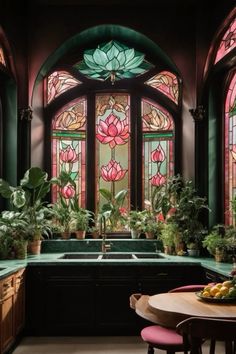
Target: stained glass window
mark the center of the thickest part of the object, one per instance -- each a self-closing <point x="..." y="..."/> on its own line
<point x="59" y="82"/>
<point x="230" y="148"/>
<point x="167" y="83"/>
<point x="112" y="60"/>
<point x="158" y="145"/>
<point x="113" y="143"/>
<point x="69" y="147"/>
<point x="2" y="57"/>
<point x="228" y="41"/>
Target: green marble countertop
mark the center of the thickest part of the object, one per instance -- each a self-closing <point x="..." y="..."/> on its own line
<point x="8" y="267"/>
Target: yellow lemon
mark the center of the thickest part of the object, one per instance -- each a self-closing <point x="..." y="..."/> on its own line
<point x="218" y="285"/>
<point x="218" y="295"/>
<point x="224" y="290"/>
<point x="214" y="290"/>
<point x="206" y="294"/>
<point x="228" y="283"/>
<point x="207" y="288"/>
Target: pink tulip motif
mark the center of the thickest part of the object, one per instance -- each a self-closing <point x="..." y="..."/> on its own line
<point x="68" y="155"/>
<point x="112" y="171"/>
<point x="158" y="155"/>
<point x="68" y="191"/>
<point x="112" y="131"/>
<point x="157" y="179"/>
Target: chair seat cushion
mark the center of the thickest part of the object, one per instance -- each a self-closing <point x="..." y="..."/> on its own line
<point x="157" y="335"/>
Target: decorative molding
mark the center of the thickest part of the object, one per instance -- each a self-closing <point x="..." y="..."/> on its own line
<point x="198" y="113"/>
<point x="26" y="114"/>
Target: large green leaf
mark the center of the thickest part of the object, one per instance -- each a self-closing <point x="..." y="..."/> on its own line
<point x="106" y="194"/>
<point x="33" y="178"/>
<point x="5" y="189"/>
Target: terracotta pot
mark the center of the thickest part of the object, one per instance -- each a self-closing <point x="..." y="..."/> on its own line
<point x="34" y="247"/>
<point x="80" y="234"/>
<point x="149" y="234"/>
<point x="65" y="235"/>
<point x="21" y="250"/>
<point x="220" y="255"/>
<point x="95" y="234"/>
<point x="168" y="250"/>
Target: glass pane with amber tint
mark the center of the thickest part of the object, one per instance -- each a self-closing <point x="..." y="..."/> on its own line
<point x="230" y="149"/>
<point x="228" y="41"/>
<point x="112" y="146"/>
<point x="158" y="146"/>
<point x="167" y="83"/>
<point x="59" y="82"/>
<point x="69" y="147"/>
<point x="2" y="57"/>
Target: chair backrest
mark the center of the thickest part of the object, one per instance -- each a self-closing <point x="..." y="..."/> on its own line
<point x="195" y="329"/>
<point x="188" y="288"/>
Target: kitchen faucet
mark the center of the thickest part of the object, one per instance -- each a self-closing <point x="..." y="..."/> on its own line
<point x="105" y="246"/>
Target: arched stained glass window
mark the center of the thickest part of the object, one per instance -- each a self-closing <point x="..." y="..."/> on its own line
<point x="230" y="148"/>
<point x="158" y="145"/>
<point x="116" y="130"/>
<point x="112" y="143"/>
<point x="2" y="57"/>
<point x="167" y="83"/>
<point x="59" y="82"/>
<point x="69" y="147"/>
<point x="228" y="41"/>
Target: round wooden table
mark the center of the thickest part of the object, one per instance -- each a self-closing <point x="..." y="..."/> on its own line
<point x="169" y="309"/>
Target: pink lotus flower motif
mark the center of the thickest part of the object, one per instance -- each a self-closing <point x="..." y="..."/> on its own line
<point x="112" y="131"/>
<point x="68" y="155"/>
<point x="158" y="155"/>
<point x="112" y="171"/>
<point x="158" y="179"/>
<point x="68" y="191"/>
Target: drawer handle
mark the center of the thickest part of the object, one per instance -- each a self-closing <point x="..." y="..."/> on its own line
<point x="162" y="274"/>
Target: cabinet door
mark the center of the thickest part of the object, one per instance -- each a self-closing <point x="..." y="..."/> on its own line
<point x="64" y="300"/>
<point x="162" y="278"/>
<point x="7" y="313"/>
<point x="112" y="310"/>
<point x="19" y="301"/>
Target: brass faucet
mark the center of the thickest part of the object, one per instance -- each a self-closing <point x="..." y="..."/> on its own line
<point x="105" y="246"/>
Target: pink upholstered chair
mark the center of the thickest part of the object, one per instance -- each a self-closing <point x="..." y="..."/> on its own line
<point x="163" y="338"/>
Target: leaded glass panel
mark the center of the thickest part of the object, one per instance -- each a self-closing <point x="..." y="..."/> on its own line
<point x="230" y="149"/>
<point x="59" y="82"/>
<point x="158" y="146"/>
<point x="228" y="41"/>
<point x="167" y="83"/>
<point x="112" y="144"/>
<point x="69" y="147"/>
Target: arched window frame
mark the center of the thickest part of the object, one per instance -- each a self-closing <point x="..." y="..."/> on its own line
<point x="138" y="90"/>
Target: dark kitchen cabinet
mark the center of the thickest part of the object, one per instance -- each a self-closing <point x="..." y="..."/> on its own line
<point x="89" y="300"/>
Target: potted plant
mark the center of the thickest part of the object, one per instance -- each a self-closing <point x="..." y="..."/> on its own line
<point x="14" y="226"/>
<point x="216" y="243"/>
<point x="28" y="197"/>
<point x="80" y="220"/>
<point x="135" y="222"/>
<point x="61" y="218"/>
<point x="167" y="236"/>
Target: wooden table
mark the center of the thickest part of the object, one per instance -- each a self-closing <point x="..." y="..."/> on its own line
<point x="171" y="308"/>
<point x="168" y="309"/>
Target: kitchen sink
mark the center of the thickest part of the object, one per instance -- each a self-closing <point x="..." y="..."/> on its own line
<point x="148" y="255"/>
<point x="80" y="256"/>
<point x="118" y="256"/>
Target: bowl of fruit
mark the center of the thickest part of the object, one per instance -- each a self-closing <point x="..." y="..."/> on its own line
<point x="220" y="292"/>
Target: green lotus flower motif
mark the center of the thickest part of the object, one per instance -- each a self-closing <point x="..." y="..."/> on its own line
<point x="114" y="60"/>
